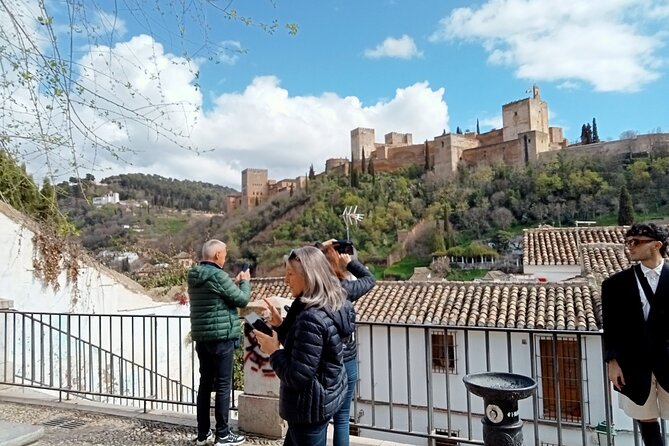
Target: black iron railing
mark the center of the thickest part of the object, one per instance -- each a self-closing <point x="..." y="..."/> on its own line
<point x="410" y="376"/>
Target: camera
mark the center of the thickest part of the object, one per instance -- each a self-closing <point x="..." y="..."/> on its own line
<point x="344" y="247"/>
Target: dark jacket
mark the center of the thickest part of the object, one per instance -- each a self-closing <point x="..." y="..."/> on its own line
<point x="311" y="364"/>
<point x="214" y="299"/>
<point x="355" y="289"/>
<point x="639" y="346"/>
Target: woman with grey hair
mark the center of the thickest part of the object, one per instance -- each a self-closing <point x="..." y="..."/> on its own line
<point x="310" y="366"/>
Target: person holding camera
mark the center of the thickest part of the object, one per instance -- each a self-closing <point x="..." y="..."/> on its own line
<point x="339" y="253"/>
<point x="215" y="329"/>
<point x="311" y="364"/>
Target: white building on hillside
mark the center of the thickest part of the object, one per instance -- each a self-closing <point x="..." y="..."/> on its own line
<point x="109" y="198"/>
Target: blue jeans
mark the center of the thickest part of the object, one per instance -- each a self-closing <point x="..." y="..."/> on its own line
<point x="314" y="434"/>
<point x="216" y="359"/>
<point x="342" y="417"/>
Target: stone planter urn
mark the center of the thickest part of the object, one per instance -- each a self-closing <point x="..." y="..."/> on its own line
<point x="501" y="393"/>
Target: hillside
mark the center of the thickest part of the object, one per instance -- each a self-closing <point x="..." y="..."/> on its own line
<point x="486" y="203"/>
<point x="168" y="192"/>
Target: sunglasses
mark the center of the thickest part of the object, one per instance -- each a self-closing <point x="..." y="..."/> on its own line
<point x="636" y="242"/>
<point x="292" y="255"/>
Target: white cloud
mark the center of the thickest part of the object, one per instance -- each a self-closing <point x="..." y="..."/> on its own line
<point x="402" y="48"/>
<point x="491" y="122"/>
<point x="109" y="23"/>
<point x="265" y="127"/>
<point x="609" y="44"/>
<point x="231" y="49"/>
<point x="568" y="85"/>
<point x="138" y="107"/>
<point x="262" y="126"/>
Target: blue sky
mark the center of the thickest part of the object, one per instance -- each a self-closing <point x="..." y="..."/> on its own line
<point x="287" y="101"/>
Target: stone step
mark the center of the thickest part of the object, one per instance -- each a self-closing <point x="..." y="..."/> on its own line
<point x="18" y="434"/>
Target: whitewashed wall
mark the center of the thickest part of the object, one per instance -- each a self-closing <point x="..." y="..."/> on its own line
<point x="403" y="375"/>
<point x="553" y="273"/>
<point x="38" y="345"/>
<point x="101" y="290"/>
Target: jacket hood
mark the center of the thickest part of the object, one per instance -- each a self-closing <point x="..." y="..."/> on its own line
<point x="199" y="274"/>
<point x="344" y="320"/>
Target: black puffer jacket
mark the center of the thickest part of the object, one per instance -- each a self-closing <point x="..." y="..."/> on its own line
<point x="355" y="289"/>
<point x="311" y="364"/>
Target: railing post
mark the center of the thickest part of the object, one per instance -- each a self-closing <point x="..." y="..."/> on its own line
<point x="69" y="356"/>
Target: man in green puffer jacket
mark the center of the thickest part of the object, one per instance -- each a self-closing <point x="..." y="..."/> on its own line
<point x="215" y="328"/>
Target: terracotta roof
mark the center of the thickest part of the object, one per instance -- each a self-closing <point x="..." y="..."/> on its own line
<point x="268" y="287"/>
<point x="573" y="306"/>
<point x="602" y="260"/>
<point x="559" y="246"/>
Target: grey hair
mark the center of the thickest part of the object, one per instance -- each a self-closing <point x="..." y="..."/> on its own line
<point x="211" y="247"/>
<point x="322" y="288"/>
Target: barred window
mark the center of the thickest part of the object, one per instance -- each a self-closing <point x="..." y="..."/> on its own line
<point x="443" y="352"/>
<point x="565" y="351"/>
<point x="446" y="441"/>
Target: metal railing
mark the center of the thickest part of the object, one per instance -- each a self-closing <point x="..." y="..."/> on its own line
<point x="410" y="384"/>
<point x="140" y="360"/>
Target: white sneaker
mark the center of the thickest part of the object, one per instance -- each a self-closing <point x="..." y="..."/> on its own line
<point x="209" y="440"/>
<point x="231" y="439"/>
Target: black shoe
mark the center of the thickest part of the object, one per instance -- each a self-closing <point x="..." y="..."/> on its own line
<point x="231" y="439"/>
<point x="204" y="441"/>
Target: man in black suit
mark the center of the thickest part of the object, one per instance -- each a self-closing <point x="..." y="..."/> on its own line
<point x="636" y="330"/>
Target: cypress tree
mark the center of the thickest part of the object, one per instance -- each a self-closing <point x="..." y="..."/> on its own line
<point x="438" y="245"/>
<point x="458" y="130"/>
<point x="478" y="130"/>
<point x="370" y="168"/>
<point x="312" y="174"/>
<point x="595" y="134"/>
<point x="625" y="207"/>
<point x="584" y="135"/>
<point x="363" y="163"/>
<point x="588" y="133"/>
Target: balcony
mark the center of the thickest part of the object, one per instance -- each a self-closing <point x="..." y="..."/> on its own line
<point x="410" y="387"/>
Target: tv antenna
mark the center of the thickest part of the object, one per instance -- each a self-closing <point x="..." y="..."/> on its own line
<point x="351" y="217"/>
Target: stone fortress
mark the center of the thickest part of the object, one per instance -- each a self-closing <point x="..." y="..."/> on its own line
<point x="525" y="137"/>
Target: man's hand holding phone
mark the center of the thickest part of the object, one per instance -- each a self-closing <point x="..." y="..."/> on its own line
<point x="244" y="274"/>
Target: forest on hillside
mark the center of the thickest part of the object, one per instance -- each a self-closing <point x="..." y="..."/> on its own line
<point x="485" y="203"/>
<point x="169" y="192"/>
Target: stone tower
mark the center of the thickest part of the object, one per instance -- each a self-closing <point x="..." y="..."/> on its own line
<point x="254" y="187"/>
<point x="362" y="139"/>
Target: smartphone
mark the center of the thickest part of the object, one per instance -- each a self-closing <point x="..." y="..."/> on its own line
<point x="245" y="266"/>
<point x="254" y="321"/>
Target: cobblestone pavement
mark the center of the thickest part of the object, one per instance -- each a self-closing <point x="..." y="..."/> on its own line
<point x="74" y="427"/>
